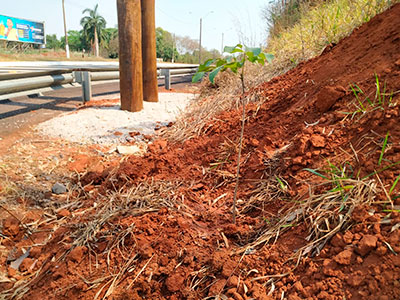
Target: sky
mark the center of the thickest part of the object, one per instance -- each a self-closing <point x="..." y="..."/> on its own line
<point x="232" y="19"/>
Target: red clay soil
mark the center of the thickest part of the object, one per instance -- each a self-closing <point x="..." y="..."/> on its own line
<point x="191" y="250"/>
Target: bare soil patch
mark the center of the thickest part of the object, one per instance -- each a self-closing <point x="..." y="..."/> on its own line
<point x="318" y="200"/>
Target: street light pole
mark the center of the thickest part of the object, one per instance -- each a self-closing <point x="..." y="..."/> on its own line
<point x="65" y="31"/>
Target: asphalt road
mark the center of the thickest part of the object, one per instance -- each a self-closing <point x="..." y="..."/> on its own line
<point x="22" y="113"/>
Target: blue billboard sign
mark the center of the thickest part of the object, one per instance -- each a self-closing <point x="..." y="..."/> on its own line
<point x="20" y="30"/>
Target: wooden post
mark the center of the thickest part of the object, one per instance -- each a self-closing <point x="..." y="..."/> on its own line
<point x="130" y="54"/>
<point x="150" y="84"/>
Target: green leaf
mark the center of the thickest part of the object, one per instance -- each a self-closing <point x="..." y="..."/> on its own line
<point x="229" y="49"/>
<point x="261" y="61"/>
<point x="236" y="49"/>
<point x="269" y="57"/>
<point x="214" y="73"/>
<point x="233" y="66"/>
<point x="221" y="62"/>
<point x="315" y="173"/>
<point x="206" y="66"/>
<point x="255" y="51"/>
<point x="198" y="76"/>
<point x="251" y="57"/>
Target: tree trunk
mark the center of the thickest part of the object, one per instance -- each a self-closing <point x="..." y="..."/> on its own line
<point x="96" y="42"/>
<point x="150" y="84"/>
<point x="130" y="54"/>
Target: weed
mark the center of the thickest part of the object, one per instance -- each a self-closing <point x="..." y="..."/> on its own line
<point x="363" y="102"/>
<point x="394" y="185"/>
<point x="383" y="148"/>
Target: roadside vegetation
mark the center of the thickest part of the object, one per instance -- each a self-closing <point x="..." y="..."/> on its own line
<point x="301" y="29"/>
<point x="97" y="41"/>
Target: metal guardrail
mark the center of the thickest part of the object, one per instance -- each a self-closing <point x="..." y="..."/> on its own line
<point x="39" y="77"/>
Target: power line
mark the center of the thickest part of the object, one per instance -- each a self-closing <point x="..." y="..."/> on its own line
<point x="174" y="18"/>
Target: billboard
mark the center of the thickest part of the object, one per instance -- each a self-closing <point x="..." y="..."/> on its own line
<point x="20" y="30"/>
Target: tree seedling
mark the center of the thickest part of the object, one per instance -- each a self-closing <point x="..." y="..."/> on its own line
<point x="236" y="63"/>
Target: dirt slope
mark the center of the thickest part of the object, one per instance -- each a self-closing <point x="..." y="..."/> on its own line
<point x="177" y="241"/>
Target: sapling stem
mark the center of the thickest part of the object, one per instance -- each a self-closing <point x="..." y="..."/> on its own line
<point x="238" y="161"/>
<point x="240" y="148"/>
<point x="234" y="63"/>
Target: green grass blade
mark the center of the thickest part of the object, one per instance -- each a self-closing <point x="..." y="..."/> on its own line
<point x="394" y="184"/>
<point x="378" y="90"/>
<point x="383" y="148"/>
<point x="316" y="173"/>
<point x="381" y="170"/>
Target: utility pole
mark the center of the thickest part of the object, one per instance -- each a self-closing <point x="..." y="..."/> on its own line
<point x="201" y="31"/>
<point x="150" y="84"/>
<point x="201" y="28"/>
<point x="130" y="54"/>
<point x="65" y="30"/>
<point x="173" y="48"/>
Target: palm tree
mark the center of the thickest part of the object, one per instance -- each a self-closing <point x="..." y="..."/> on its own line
<point x="93" y="24"/>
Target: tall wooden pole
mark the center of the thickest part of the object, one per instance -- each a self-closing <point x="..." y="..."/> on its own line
<point x="130" y="54"/>
<point x="150" y="84"/>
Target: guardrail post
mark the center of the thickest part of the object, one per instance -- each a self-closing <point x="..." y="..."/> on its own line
<point x="86" y="87"/>
<point x="78" y="76"/>
<point x="167" y="74"/>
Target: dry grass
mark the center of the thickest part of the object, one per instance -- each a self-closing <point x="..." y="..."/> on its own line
<point x="214" y="99"/>
<point x="137" y="200"/>
<point x="324" y="213"/>
<point x="45" y="55"/>
<point x="327" y="22"/>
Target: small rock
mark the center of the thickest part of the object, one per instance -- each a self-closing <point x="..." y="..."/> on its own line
<point x="175" y="282"/>
<point x="344" y="257"/>
<point x="337" y="241"/>
<point x="254" y="142"/>
<point x="11" y="272"/>
<point x="26" y="264"/>
<point x="77" y="253"/>
<point x="354" y="280"/>
<point x="11" y="226"/>
<point x="317" y="141"/>
<point x="328" y="96"/>
<point x="129" y="150"/>
<point x="217" y="287"/>
<point x="367" y="243"/>
<point x="348" y="237"/>
<point x="228" y="268"/>
<point x="298" y="160"/>
<point x="233" y="281"/>
<point x="294" y="297"/>
<point x="58" y="189"/>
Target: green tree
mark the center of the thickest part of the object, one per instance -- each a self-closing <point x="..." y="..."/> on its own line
<point x="76" y="40"/>
<point x="110" y="44"/>
<point x="93" y="26"/>
<point x="165" y="47"/>
<point x="52" y="42"/>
